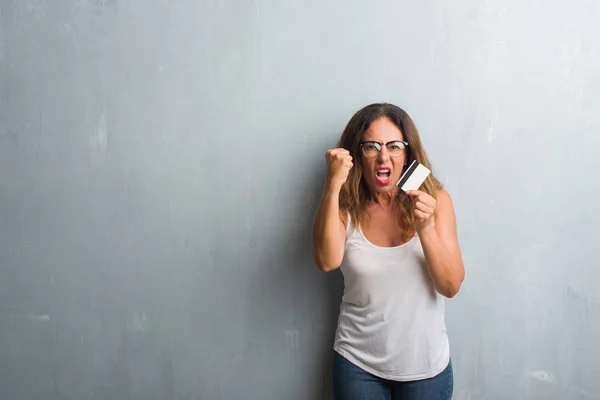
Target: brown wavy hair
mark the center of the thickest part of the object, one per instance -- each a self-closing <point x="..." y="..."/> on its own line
<point x="355" y="195"/>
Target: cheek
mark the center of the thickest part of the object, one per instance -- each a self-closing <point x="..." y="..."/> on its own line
<point x="367" y="167"/>
<point x="399" y="165"/>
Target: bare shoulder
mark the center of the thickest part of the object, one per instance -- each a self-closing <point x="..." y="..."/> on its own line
<point x="443" y="197"/>
<point x="445" y="209"/>
<point x="444" y="202"/>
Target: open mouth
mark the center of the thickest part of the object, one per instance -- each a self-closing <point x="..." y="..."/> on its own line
<point x="383" y="175"/>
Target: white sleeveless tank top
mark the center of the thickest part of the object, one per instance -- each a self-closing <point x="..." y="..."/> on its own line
<point x="391" y="320"/>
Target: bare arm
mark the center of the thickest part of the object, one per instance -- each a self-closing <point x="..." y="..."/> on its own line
<point x="440" y="244"/>
<point x="329" y="232"/>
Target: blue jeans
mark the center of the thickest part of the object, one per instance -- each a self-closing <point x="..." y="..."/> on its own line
<point x="353" y="383"/>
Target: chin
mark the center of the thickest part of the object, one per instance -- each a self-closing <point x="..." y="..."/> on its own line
<point x="377" y="188"/>
<point x="386" y="189"/>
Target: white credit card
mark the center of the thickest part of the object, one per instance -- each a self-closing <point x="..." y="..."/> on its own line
<point x="413" y="177"/>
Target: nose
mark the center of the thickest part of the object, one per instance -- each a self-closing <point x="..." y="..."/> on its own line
<point x="383" y="155"/>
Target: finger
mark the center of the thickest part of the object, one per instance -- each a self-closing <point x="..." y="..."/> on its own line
<point x="427" y="203"/>
<point x="332" y="153"/>
<point x="420" y="215"/>
<point x="423" y="207"/>
<point x="413" y="194"/>
<point x="423" y="197"/>
<point x="341" y="155"/>
<point x="340" y="151"/>
<point x="418" y="193"/>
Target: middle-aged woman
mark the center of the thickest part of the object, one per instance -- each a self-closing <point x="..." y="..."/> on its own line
<point x="400" y="258"/>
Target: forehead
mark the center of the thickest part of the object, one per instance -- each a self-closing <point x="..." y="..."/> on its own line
<point x="383" y="130"/>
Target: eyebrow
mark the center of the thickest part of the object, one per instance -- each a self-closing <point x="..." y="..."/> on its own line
<point x="376" y="141"/>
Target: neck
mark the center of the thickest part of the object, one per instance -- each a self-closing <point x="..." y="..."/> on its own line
<point x="385" y="200"/>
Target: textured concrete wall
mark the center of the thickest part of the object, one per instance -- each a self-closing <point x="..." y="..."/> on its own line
<point x="161" y="161"/>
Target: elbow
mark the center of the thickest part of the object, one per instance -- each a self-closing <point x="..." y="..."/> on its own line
<point x="327" y="267"/>
<point x="325" y="264"/>
<point x="451" y="288"/>
<point x="450" y="292"/>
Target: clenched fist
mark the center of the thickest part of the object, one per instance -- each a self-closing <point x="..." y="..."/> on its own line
<point x="339" y="162"/>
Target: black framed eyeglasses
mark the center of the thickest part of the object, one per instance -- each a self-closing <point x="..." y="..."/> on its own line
<point x="371" y="148"/>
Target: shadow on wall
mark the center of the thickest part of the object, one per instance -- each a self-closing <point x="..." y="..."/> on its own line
<point x="297" y="301"/>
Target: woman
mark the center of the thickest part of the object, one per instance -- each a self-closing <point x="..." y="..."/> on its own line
<point x="399" y="256"/>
